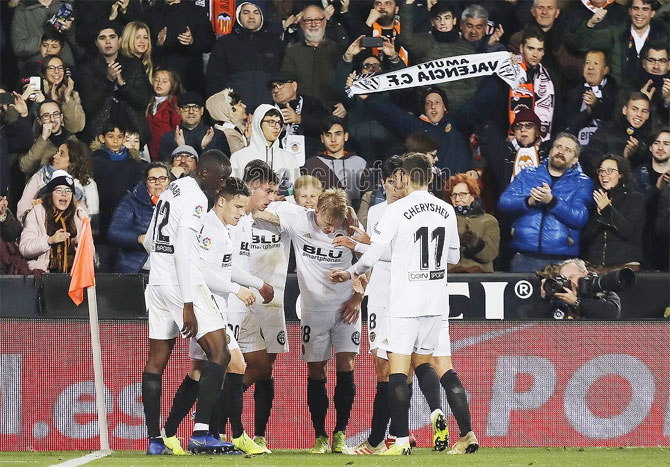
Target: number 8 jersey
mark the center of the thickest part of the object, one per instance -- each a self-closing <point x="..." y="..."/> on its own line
<point x="182" y="204"/>
<point x="423" y="235"/>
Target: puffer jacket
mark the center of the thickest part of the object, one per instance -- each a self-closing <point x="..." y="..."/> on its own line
<point x="130" y="220"/>
<point x="551" y="229"/>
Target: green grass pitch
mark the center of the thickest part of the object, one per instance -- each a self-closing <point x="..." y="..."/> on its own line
<point x="536" y="457"/>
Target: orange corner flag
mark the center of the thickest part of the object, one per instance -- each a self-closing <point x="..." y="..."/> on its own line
<point x="82" y="268"/>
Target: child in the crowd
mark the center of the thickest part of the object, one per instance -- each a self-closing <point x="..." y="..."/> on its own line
<point x="162" y="113"/>
<point x="116" y="170"/>
<point x="306" y="191"/>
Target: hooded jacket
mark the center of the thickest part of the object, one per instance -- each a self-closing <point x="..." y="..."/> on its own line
<point x="220" y="109"/>
<point x="130" y="220"/>
<point x="244" y="61"/>
<point x="280" y="160"/>
<point x="551" y="229"/>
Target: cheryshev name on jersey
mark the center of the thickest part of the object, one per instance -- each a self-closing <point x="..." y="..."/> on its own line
<point x="425" y="207"/>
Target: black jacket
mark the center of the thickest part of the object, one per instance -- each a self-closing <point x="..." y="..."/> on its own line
<point x="244" y="61"/>
<point x="185" y="60"/>
<point x="611" y="138"/>
<point x="99" y="96"/>
<point x="572" y="119"/>
<point x="193" y="138"/>
<point x="615" y="235"/>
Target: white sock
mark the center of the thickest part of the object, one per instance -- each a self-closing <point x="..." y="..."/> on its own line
<point x="201" y="427"/>
<point x="402" y="441"/>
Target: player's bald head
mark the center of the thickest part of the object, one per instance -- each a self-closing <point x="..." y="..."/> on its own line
<point x="213" y="159"/>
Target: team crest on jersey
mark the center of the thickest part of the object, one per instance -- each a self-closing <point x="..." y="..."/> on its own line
<point x="356" y="338"/>
<point x="206" y="242"/>
<point x="281" y="338"/>
<point x="198" y="210"/>
<point x="447" y="129"/>
<point x="373" y="336"/>
<point x="307" y="235"/>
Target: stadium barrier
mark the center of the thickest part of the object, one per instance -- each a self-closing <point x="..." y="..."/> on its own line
<point x="529" y="384"/>
<point x="497" y="296"/>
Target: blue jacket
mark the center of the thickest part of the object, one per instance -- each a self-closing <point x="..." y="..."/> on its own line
<point x="130" y="220"/>
<point x="552" y="229"/>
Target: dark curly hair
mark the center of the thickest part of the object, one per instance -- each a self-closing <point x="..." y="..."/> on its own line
<point x="80" y="161"/>
<point x="626" y="180"/>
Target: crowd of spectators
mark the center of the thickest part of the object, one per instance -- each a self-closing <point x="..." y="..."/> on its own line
<point x="104" y="106"/>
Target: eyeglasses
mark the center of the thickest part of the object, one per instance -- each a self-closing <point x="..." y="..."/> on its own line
<point x="183" y="155"/>
<point x="608" y="171"/>
<point x="660" y="61"/>
<point x="372" y="66"/>
<point x="162" y="179"/>
<point x="524" y="126"/>
<point x="274" y="86"/>
<point x="462" y="195"/>
<point x="53" y="68"/>
<point x="190" y="108"/>
<point x="50" y="116"/>
<point x="313" y="20"/>
<point x="272" y="123"/>
<point x="63" y="191"/>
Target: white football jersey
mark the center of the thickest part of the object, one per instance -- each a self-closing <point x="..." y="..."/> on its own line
<point x="378" y="288"/>
<point x="216" y="257"/>
<point x="423" y="235"/>
<point x="315" y="257"/>
<point x="182" y="204"/>
<point x="269" y="256"/>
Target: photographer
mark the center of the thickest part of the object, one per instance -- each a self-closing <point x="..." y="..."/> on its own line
<point x="580" y="299"/>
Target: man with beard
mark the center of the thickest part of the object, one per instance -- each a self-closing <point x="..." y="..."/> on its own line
<point x="548" y="205"/>
<point x="651" y="179"/>
<point x="313" y="60"/>
<point x="624" y="135"/>
<point x="655" y="82"/>
<point x="382" y="22"/>
<point x="184" y="161"/>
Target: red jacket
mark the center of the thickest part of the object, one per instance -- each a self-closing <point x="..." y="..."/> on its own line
<point x="165" y="120"/>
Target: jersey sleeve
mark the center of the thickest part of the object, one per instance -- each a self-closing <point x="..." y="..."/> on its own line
<point x="289" y="214"/>
<point x="194" y="211"/>
<point x="382" y="235"/>
<point x="454" y="253"/>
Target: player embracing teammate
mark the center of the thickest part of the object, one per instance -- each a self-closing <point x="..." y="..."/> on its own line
<point x="422" y="235"/>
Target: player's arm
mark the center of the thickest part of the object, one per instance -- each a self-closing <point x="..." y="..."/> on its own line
<point x="246" y="279"/>
<point x="454" y="253"/>
<point x="186" y="236"/>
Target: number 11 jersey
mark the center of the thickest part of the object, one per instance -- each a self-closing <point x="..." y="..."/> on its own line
<point x="423" y="235"/>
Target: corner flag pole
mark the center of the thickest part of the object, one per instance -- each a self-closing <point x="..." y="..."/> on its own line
<point x="83" y="277"/>
<point x="97" y="367"/>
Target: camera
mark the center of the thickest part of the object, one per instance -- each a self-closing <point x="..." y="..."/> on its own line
<point x="614" y="281"/>
<point x="592" y="284"/>
<point x="372" y="42"/>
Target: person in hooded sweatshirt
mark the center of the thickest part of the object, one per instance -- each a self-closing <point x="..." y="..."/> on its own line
<point x="245" y="59"/>
<point x="337" y="168"/>
<point x="229" y="110"/>
<point x="267" y="124"/>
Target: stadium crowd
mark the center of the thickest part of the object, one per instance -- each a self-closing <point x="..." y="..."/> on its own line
<point x="124" y="96"/>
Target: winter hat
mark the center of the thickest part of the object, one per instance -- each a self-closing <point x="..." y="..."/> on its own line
<point x="527" y="115"/>
<point x="59" y="177"/>
<point x="185" y="148"/>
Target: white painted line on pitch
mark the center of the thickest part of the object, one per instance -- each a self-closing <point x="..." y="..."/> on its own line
<point x="84" y="459"/>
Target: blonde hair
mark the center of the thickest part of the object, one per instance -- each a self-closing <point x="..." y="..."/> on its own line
<point x="333" y="204"/>
<point x="307" y="181"/>
<point x="128" y="44"/>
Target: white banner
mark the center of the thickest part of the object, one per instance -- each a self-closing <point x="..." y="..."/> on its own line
<point x="441" y="71"/>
